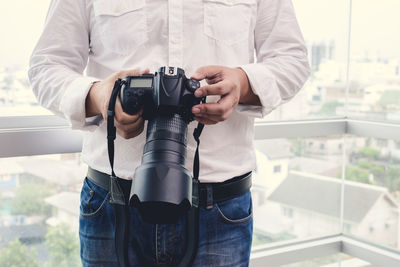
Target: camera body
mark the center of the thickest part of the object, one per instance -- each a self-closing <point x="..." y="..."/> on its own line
<point x="168" y="91"/>
<point x="162" y="186"/>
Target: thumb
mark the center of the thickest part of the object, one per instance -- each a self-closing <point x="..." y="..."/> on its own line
<point x="131" y="72"/>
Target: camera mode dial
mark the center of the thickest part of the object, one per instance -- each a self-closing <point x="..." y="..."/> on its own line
<point x="192" y="85"/>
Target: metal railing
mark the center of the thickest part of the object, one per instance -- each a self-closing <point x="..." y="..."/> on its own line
<point x="26" y="136"/>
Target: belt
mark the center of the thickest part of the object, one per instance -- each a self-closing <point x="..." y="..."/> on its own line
<point x="207" y="193"/>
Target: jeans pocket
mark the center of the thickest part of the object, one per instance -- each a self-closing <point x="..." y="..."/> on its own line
<point x="238" y="210"/>
<point x="93" y="199"/>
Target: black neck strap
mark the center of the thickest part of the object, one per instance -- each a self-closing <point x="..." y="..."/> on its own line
<point x="196" y="162"/>
<point x="111" y="130"/>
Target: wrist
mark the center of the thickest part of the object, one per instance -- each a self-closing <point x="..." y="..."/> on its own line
<point x="91" y="104"/>
<point x="247" y="95"/>
<point x="243" y="85"/>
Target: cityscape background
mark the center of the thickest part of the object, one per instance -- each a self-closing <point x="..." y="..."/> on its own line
<point x="296" y="191"/>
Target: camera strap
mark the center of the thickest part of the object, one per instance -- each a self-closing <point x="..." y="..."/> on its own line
<point x="116" y="193"/>
<point x="111" y="130"/>
<point x="193" y="216"/>
<point x="196" y="134"/>
<point x="196" y="163"/>
<point x="117" y="197"/>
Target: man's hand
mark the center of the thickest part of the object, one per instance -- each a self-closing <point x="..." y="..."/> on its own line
<point x="128" y="126"/>
<point x="231" y="84"/>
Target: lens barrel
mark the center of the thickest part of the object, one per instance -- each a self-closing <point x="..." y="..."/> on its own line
<point x="162" y="186"/>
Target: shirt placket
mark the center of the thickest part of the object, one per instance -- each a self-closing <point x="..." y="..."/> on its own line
<point x="175" y="33"/>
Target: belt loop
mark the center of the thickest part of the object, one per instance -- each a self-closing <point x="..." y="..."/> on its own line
<point x="209" y="197"/>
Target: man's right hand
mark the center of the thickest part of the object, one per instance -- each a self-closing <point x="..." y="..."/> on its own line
<point x="128" y="126"/>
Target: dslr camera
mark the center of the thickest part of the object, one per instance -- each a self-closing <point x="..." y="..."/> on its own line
<point x="162" y="186"/>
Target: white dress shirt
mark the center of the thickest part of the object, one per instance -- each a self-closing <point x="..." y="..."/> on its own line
<point x="100" y="37"/>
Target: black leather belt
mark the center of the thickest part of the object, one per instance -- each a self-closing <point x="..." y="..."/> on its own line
<point x="208" y="193"/>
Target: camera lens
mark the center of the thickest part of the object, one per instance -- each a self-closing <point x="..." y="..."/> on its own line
<point x="162" y="186"/>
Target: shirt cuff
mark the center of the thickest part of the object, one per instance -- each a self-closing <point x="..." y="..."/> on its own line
<point x="73" y="102"/>
<point x="263" y="85"/>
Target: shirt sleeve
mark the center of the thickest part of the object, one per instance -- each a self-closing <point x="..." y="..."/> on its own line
<point x="282" y="65"/>
<point x="58" y="61"/>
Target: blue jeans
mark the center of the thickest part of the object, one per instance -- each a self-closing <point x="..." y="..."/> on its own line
<point x="225" y="234"/>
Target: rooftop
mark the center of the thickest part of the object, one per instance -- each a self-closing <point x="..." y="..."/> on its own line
<point x="321" y="194"/>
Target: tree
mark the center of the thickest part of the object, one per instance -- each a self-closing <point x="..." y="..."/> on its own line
<point x="17" y="255"/>
<point x="297" y="147"/>
<point x="370" y="152"/>
<point x="377" y="171"/>
<point x="357" y="174"/>
<point x="364" y="164"/>
<point x="63" y="246"/>
<point x="29" y="199"/>
<point x="8" y="82"/>
<point x="329" y="108"/>
<point x="392" y="178"/>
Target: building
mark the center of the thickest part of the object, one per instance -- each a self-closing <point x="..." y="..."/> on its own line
<point x="65" y="209"/>
<point x="312" y="204"/>
<point x="316" y="166"/>
<point x="272" y="167"/>
<point x="320" y="52"/>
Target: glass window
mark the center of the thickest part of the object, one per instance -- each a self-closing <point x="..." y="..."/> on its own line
<point x="277" y="168"/>
<point x="39" y="210"/>
<point x="371" y="200"/>
<point x="324" y="24"/>
<point x="334" y="260"/>
<point x="303" y="199"/>
<point x="375" y="60"/>
<point x="21" y="23"/>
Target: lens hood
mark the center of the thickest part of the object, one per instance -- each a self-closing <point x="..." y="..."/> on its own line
<point x="161" y="192"/>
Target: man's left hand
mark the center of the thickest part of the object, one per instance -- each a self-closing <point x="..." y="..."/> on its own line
<point x="230" y="83"/>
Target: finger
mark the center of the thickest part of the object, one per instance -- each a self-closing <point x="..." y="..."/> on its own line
<point x="208" y="72"/>
<point x="217" y="118"/>
<point x="220" y="88"/>
<point x="124" y="118"/>
<point x="131" y="72"/>
<point x="205" y="121"/>
<point x="131" y="134"/>
<point x="129" y="128"/>
<point x="214" y="80"/>
<point x="138" y="130"/>
<point x="221" y="107"/>
<point x="123" y="73"/>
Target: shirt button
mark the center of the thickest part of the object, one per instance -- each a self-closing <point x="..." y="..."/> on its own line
<point x="117" y="9"/>
<point x="229" y="1"/>
<point x="175" y="40"/>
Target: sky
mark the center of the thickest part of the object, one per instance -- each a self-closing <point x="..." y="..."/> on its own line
<point x="21" y="22"/>
<point x="376" y="25"/>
